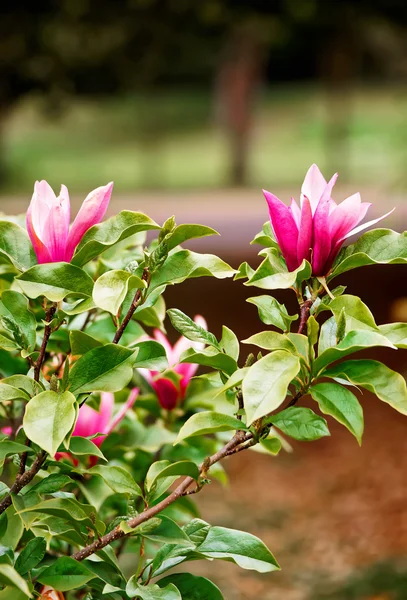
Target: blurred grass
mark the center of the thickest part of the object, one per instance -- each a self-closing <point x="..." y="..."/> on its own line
<point x="170" y="139"/>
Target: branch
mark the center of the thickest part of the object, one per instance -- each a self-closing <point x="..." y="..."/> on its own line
<point x="239" y="438"/>
<point x="305" y="308"/>
<point x="136" y="302"/>
<point x="22" y="480"/>
<point x="47" y="332"/>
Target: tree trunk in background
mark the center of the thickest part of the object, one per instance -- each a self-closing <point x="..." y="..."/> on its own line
<point x="238" y="79"/>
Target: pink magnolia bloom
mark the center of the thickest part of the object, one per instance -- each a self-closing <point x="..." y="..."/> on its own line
<point x="168" y="393"/>
<point x="48" y="220"/>
<point x="48" y="593"/>
<point x="91" y="421"/>
<point x="317" y="230"/>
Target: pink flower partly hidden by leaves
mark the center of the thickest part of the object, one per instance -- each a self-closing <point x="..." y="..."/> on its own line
<point x="48" y="219"/>
<point x="48" y="593"/>
<point x="91" y="421"/>
<point x="317" y="229"/>
<point x="168" y="393"/>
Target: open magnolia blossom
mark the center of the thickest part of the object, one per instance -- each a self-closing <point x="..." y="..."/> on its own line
<point x="91" y="421"/>
<point x="48" y="593"/>
<point x="316" y="231"/>
<point x="48" y="219"/>
<point x="168" y="393"/>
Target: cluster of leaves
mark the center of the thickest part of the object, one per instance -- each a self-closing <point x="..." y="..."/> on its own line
<point x="69" y="509"/>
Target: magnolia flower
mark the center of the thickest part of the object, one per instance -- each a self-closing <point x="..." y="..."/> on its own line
<point x="168" y="393"/>
<point x="91" y="421"/>
<point x="48" y="593"/>
<point x="48" y="220"/>
<point x="317" y="230"/>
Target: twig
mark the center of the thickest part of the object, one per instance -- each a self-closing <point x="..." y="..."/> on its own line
<point x="22" y="480"/>
<point x="117" y="532"/>
<point x="305" y="308"/>
<point x="136" y="301"/>
<point x="47" y="332"/>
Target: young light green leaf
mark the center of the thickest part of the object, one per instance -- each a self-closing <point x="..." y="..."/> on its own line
<point x="242" y="548"/>
<point x="338" y="402"/>
<point x="106" y="368"/>
<point x="379" y="246"/>
<point x="15" y="246"/>
<point x="352" y="342"/>
<point x="271" y="340"/>
<point x="55" y="281"/>
<point x="273" y="275"/>
<point x="191" y="330"/>
<point x="192" y="587"/>
<point x="208" y="422"/>
<point x="118" y="478"/>
<point x="300" y="423"/>
<point x="170" y="472"/>
<point x="48" y="419"/>
<point x="375" y="377"/>
<point x="266" y="384"/>
<point x="271" y="312"/>
<point x="187" y="231"/>
<point x="229" y="343"/>
<point x="111" y="289"/>
<point x="151" y="592"/>
<point x="80" y="446"/>
<point x="10" y="577"/>
<point x="166" y="531"/>
<point x="23" y="384"/>
<point x="210" y="358"/>
<point x="357" y="314"/>
<point x="7" y="447"/>
<point x="396" y="333"/>
<point x="66" y="574"/>
<point x="108" y="233"/>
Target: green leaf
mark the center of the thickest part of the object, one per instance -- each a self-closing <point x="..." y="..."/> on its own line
<point x="31" y="555"/>
<point x="106" y="368"/>
<point x="9" y="576"/>
<point x="166" y="531"/>
<point x="375" y="377"/>
<point x="229" y="343"/>
<point x="210" y="358"/>
<point x="55" y="281"/>
<point x="396" y="333"/>
<point x="271" y="312"/>
<point x="48" y="419"/>
<point x="244" y="272"/>
<point x="379" y="246"/>
<point x="15" y="246"/>
<point x="8" y="447"/>
<point x="118" y="479"/>
<point x="77" y="514"/>
<point x="66" y="574"/>
<point x="25" y="386"/>
<point x="162" y="474"/>
<point x="266" y="384"/>
<point x="187" y="231"/>
<point x="51" y="484"/>
<point x="338" y="402"/>
<point x="80" y="446"/>
<point x="18" y="318"/>
<point x="150" y="355"/>
<point x="81" y="342"/>
<point x="271" y="340"/>
<point x="191" y="330"/>
<point x="357" y="314"/>
<point x="192" y="587"/>
<point x="111" y="289"/>
<point x="352" y="342"/>
<point x="11" y="593"/>
<point x="151" y="592"/>
<point x="273" y="275"/>
<point x="273" y="445"/>
<point x="185" y="264"/>
<point x="208" y="422"/>
<point x="327" y="335"/>
<point x="234" y="380"/>
<point x="300" y="423"/>
<point x="7" y="343"/>
<point x="108" y="233"/>
<point x="242" y="548"/>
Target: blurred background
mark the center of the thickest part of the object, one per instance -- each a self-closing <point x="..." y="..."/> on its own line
<point x="191" y="108"/>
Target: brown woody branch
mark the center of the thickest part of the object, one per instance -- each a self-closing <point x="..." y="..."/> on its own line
<point x="239" y="438"/>
<point x="305" y="308"/>
<point x="135" y="303"/>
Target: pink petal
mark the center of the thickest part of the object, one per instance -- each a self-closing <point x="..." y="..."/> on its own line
<point x="305" y="232"/>
<point x="296" y="212"/>
<point x="163" y="340"/>
<point x="166" y="392"/>
<point x="34" y="211"/>
<point x="91" y="212"/>
<point x="313" y="186"/>
<point x="366" y="225"/>
<point x="56" y="226"/>
<point x="123" y="410"/>
<point x="285" y="229"/>
<point x="345" y="216"/>
<point x="91" y="421"/>
<point x="187" y="371"/>
<point x="321" y="233"/>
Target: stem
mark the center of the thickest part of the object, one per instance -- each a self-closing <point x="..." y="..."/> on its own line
<point x="47" y="332"/>
<point x="305" y="308"/>
<point x="136" y="301"/>
<point x="23" y="480"/>
<point x="239" y="438"/>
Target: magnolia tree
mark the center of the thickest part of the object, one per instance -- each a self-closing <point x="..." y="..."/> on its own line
<point x="107" y="431"/>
